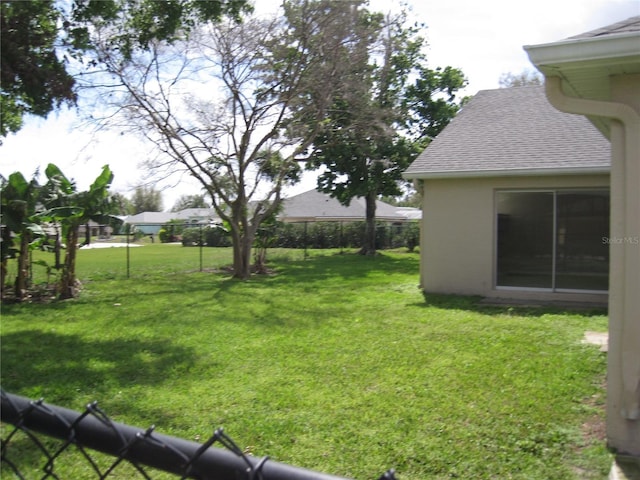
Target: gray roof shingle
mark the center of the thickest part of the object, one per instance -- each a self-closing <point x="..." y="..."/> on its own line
<point x="312" y="206"/>
<point x="150" y="218"/>
<point x="631" y="24"/>
<point x="513" y="131"/>
<point x="315" y="206"/>
<point x="193" y="215"/>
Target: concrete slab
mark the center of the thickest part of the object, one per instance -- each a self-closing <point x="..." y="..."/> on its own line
<point x="597" y="338"/>
<point x="625" y="468"/>
<point x="532" y="303"/>
<point x="108" y="245"/>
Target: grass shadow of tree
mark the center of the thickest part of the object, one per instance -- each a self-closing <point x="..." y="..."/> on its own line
<point x="38" y="363"/>
<point x="320" y="271"/>
<point x="343" y="266"/>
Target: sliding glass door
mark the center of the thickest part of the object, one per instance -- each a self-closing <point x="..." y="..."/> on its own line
<point x="525" y="239"/>
<point x="553" y="240"/>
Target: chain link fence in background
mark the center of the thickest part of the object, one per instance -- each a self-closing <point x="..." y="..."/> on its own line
<point x="304" y="235"/>
<point x="201" y="252"/>
<point x="28" y="449"/>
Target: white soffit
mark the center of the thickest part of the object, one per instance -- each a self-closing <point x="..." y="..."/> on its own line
<point x="606" y="51"/>
<point x="586" y="64"/>
<point x="522" y="172"/>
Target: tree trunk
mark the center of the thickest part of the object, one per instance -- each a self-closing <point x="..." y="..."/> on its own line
<point x="369" y="243"/>
<point x="4" y="237"/>
<point x="68" y="284"/>
<point x="3" y="277"/>
<point x="56" y="249"/>
<point x="242" y="244"/>
<point x="20" y="286"/>
<point x="260" y="259"/>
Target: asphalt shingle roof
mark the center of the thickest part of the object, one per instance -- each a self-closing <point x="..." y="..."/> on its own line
<point x="312" y="206"/>
<point x="189" y="214"/>
<point x="513" y="131"/>
<point x="150" y="218"/>
<point x="317" y="206"/>
<point x="631" y="24"/>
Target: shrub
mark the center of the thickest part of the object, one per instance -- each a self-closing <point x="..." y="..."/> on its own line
<point x="191" y="237"/>
<point x="412" y="235"/>
<point x="318" y="235"/>
<point x="216" y="237"/>
<point x="209" y="236"/>
<point x="163" y="235"/>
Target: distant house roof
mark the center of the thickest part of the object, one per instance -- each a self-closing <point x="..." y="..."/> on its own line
<point x="315" y="206"/>
<point x="411" y="213"/>
<point x="196" y="215"/>
<point x="149" y="218"/>
<point x="189" y="215"/>
<point x="511" y="132"/>
<point x="311" y="206"/>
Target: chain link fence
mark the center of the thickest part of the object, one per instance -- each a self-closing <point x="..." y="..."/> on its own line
<point x="44" y="267"/>
<point x="69" y="444"/>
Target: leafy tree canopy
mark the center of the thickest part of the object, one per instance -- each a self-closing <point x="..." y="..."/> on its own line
<point x="121" y="205"/>
<point x="146" y="199"/>
<point x="39" y="36"/>
<point x="430" y="102"/>
<point x="33" y="80"/>
<point x="137" y="23"/>
<point x="190" y="201"/>
<point x="388" y="107"/>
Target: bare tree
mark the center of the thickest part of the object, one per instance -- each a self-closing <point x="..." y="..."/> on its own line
<point x="231" y="106"/>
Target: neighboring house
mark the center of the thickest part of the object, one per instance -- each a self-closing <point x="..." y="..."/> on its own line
<point x="197" y="216"/>
<point x="96" y="230"/>
<point x="150" y="223"/>
<point x="411" y="213"/>
<point x="597" y="74"/>
<point x="315" y="206"/>
<point x="515" y="202"/>
<point x="311" y="206"/>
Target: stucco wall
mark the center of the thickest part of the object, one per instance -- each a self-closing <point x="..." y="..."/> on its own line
<point x="458" y="234"/>
<point x="623" y="370"/>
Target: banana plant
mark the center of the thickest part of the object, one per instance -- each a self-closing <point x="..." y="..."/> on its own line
<point x="19" y="202"/>
<point x="70" y="209"/>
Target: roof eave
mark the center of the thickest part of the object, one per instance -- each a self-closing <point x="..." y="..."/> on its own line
<point x="595" y="49"/>
<point x="530" y="172"/>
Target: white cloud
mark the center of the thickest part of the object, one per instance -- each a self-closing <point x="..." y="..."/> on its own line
<point x="485" y="38"/>
<point x="80" y="154"/>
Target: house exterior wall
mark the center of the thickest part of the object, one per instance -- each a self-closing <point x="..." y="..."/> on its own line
<point x="458" y="236"/>
<point x="623" y="368"/>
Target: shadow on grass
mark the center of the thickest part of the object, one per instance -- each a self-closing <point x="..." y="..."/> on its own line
<point x="53" y="365"/>
<point x="516" y="308"/>
<point x="320" y="271"/>
<point x="345" y="266"/>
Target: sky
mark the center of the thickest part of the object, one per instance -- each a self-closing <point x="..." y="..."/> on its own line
<point x="482" y="38"/>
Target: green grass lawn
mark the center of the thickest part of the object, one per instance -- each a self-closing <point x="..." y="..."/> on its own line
<point x="334" y="363"/>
